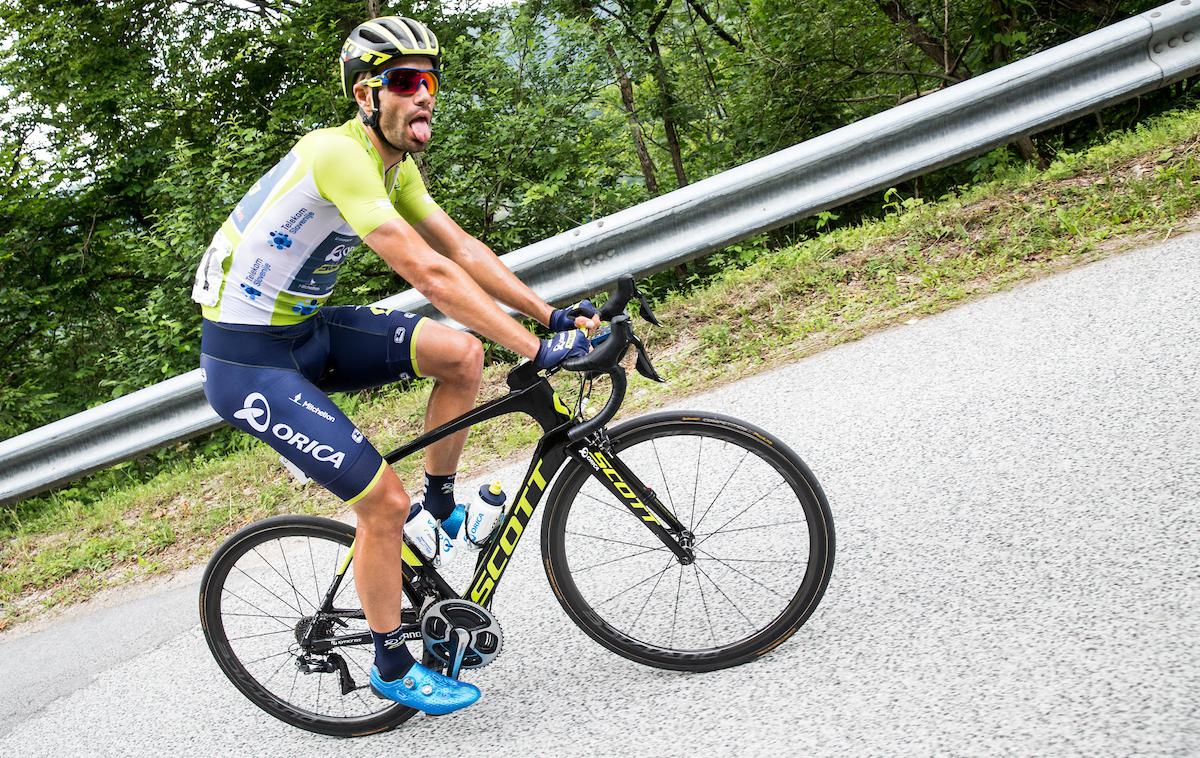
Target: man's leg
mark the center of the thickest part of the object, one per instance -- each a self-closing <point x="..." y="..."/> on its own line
<point x="378" y="540"/>
<point x="454" y="360"/>
<point x="373" y="346"/>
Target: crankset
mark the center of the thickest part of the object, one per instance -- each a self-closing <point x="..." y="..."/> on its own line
<point x="461" y="634"/>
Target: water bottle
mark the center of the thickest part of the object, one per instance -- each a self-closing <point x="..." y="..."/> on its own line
<point x="484" y="514"/>
<point x="427" y="536"/>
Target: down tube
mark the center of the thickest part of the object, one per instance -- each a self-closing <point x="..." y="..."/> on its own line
<point x="546" y="461"/>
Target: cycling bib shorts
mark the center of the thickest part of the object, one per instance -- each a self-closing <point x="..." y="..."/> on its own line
<point x="270" y="381"/>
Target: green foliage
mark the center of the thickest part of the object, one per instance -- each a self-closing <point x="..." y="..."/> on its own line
<point x="133" y="126"/>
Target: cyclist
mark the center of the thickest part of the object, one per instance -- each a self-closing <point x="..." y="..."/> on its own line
<point x="269" y="351"/>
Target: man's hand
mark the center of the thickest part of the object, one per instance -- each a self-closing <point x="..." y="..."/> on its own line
<point x="561" y="346"/>
<point x="581" y="315"/>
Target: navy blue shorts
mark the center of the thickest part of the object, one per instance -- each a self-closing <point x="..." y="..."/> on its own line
<point x="270" y="381"/>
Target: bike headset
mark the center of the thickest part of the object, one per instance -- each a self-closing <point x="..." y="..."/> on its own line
<point x="373" y="43"/>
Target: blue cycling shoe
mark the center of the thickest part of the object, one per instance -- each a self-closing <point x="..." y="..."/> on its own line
<point x="426" y="691"/>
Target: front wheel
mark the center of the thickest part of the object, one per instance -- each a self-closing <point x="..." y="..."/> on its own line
<point x="761" y="535"/>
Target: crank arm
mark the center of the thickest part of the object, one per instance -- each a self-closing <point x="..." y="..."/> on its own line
<point x="461" y="639"/>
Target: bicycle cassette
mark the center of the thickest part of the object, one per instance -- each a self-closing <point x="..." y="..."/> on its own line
<point x="461" y="634"/>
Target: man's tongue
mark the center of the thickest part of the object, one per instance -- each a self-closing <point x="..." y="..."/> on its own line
<point x="420" y="131"/>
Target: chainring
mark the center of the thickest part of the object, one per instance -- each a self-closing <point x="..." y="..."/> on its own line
<point x="439" y="621"/>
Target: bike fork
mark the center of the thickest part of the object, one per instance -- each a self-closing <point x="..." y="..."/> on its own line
<point x="641" y="501"/>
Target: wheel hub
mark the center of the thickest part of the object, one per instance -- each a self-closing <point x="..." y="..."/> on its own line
<point x="310" y="628"/>
<point x="687" y="541"/>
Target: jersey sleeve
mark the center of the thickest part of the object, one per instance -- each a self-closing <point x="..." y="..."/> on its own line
<point x="410" y="197"/>
<point x="346" y="177"/>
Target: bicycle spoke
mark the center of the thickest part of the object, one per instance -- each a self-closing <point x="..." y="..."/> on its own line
<point x="746" y="528"/>
<point x="247" y="664"/>
<point x="269" y="592"/>
<point x="280" y="619"/>
<point x="747" y="576"/>
<point x="291" y="580"/>
<point x="722" y="490"/>
<point x="274" y="673"/>
<point x="665" y="481"/>
<point x="606" y="503"/>
<point x="295" y="676"/>
<point x="748" y="507"/>
<point x="622" y="558"/>
<point x="696" y="483"/>
<point x="313" y="563"/>
<point x="607" y="539"/>
<point x="748" y="560"/>
<point x="675" y="615"/>
<point x="337" y="563"/>
<point x="641" y="610"/>
<point x="299" y="607"/>
<point x="360" y="666"/>
<point x="708" y="616"/>
<point x="261" y="634"/>
<point x="727" y="598"/>
<point x="638" y="584"/>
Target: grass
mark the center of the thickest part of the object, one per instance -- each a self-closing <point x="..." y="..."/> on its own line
<point x="921" y="258"/>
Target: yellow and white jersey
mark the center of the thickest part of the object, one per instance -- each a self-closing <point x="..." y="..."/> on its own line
<point x="276" y="258"/>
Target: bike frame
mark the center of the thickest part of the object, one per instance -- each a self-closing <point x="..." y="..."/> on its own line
<point x="529" y="393"/>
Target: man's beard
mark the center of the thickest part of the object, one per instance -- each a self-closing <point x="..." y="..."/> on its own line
<point x="397" y="131"/>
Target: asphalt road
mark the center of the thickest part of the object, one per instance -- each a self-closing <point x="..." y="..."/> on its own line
<point x="1015" y="484"/>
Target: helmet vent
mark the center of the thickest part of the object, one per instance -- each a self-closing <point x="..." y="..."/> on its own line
<point x="371" y="36"/>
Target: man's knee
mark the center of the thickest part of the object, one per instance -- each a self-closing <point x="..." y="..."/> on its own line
<point x="467" y="363"/>
<point x="385" y="511"/>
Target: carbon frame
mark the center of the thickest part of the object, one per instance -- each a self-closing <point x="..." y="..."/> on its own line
<point x="531" y="394"/>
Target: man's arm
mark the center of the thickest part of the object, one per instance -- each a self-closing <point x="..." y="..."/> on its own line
<point x="477" y="259"/>
<point x="451" y="290"/>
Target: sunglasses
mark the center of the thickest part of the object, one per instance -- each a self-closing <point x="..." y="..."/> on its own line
<point x="406" y="81"/>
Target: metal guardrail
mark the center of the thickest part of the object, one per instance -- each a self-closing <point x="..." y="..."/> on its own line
<point x="1079" y="77"/>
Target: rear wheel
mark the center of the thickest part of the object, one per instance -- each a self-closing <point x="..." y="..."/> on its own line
<point x="262" y="595"/>
<point x="761" y="531"/>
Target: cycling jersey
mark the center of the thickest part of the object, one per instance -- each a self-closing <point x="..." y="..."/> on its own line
<point x="276" y="258"/>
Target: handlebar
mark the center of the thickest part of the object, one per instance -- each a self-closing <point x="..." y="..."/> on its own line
<point x="606" y="359"/>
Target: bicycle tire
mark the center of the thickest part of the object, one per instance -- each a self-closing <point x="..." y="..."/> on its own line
<point x="213" y="591"/>
<point x="637" y="438"/>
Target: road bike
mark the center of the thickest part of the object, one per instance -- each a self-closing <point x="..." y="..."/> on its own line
<point x="683" y="540"/>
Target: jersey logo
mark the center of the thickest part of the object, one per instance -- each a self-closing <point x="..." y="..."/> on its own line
<point x="306" y="308"/>
<point x="280" y="240"/>
<point x="251" y="292"/>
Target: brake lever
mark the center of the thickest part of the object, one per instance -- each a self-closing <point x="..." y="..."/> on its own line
<point x="644" y="366"/>
<point x="644" y="309"/>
